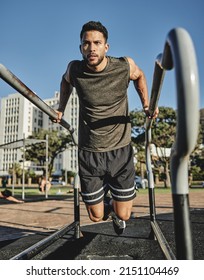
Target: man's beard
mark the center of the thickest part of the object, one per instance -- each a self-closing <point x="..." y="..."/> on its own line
<point x="100" y="59"/>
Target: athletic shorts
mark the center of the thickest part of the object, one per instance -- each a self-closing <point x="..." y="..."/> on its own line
<point x="114" y="169"/>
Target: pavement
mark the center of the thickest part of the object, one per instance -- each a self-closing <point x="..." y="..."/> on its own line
<point x="38" y="217"/>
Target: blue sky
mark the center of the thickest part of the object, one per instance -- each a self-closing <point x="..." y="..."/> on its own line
<point x="39" y="37"/>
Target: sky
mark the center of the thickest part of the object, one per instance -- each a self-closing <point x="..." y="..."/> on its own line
<point x="39" y="37"/>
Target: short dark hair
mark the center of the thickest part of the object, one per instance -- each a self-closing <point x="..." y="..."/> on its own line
<point x="6" y="193"/>
<point x="94" y="25"/>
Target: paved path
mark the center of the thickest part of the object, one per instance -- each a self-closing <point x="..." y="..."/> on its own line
<point x="40" y="215"/>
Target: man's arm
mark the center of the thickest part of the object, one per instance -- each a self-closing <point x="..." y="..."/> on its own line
<point x="140" y="84"/>
<point x="65" y="92"/>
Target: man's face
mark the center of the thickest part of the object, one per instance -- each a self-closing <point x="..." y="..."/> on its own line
<point x="93" y="48"/>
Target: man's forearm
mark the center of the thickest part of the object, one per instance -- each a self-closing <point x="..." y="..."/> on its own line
<point x="65" y="92"/>
<point x="141" y="87"/>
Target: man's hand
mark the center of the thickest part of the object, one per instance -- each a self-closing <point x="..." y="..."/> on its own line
<point x="147" y="113"/>
<point x="59" y="117"/>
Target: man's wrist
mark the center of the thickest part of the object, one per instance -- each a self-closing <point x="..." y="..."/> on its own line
<point x="145" y="107"/>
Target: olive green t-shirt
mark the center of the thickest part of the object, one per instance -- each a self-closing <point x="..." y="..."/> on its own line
<point x="104" y="122"/>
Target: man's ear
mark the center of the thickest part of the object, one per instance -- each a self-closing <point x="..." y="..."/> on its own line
<point x="107" y="47"/>
<point x="80" y="48"/>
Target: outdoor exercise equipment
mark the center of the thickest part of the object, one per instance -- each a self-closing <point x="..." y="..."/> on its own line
<point x="179" y="54"/>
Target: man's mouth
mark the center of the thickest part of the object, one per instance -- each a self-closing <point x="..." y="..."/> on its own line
<point x="92" y="56"/>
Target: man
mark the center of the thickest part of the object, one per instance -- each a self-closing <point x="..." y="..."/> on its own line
<point x="105" y="154"/>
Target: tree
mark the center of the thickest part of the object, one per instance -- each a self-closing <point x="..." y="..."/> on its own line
<point x="163" y="135"/>
<point x="15" y="171"/>
<point x="137" y="118"/>
<point x="57" y="143"/>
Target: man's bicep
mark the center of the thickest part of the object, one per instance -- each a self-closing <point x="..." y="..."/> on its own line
<point x="65" y="86"/>
<point x="135" y="71"/>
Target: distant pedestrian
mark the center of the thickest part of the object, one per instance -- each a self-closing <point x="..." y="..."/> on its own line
<point x="44" y="184"/>
<point x="4" y="183"/>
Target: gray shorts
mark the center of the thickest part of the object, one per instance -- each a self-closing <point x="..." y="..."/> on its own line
<point x="114" y="169"/>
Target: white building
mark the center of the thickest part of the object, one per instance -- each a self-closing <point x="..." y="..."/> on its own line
<point x="68" y="159"/>
<point x="19" y="118"/>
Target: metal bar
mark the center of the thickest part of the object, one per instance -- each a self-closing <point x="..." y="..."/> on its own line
<point x="17" y="84"/>
<point x="77" y="206"/>
<point x="14" y="82"/>
<point x="166" y="249"/>
<point x="154" y="98"/>
<point x="179" y="53"/>
<point x="41" y="245"/>
<point x="46" y="168"/>
<point x="187" y="83"/>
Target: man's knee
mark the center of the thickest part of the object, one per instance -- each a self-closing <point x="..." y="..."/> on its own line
<point x="125" y="215"/>
<point x="123" y="209"/>
<point x="96" y="212"/>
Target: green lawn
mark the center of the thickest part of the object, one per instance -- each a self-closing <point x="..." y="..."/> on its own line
<point x="33" y="191"/>
<point x="66" y="190"/>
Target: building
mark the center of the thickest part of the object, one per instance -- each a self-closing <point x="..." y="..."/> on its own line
<point x="19" y="118"/>
<point x="68" y="159"/>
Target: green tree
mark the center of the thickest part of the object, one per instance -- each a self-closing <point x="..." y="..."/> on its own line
<point x="57" y="143"/>
<point x="137" y="118"/>
<point x="163" y="136"/>
<point x="16" y="171"/>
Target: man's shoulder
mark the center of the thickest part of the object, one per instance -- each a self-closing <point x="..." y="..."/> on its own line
<point x="75" y="64"/>
<point x="122" y="59"/>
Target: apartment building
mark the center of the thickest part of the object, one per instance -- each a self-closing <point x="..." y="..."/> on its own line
<point x="19" y="118"/>
<point x="68" y="159"/>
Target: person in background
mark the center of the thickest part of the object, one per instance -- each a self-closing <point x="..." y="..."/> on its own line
<point x="44" y="185"/>
<point x="4" y="182"/>
<point x="6" y="194"/>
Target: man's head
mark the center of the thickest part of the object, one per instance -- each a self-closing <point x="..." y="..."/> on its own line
<point x="94" y="45"/>
<point x="94" y="25"/>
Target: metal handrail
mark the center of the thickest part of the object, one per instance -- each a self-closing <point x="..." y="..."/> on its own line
<point x="178" y="53"/>
<point x="17" y="84"/>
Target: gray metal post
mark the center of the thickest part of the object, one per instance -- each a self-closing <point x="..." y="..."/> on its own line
<point x="76" y="206"/>
<point x="154" y="98"/>
<point x="46" y="164"/>
<point x="179" y="53"/>
<point x="179" y="47"/>
<point x="23" y="179"/>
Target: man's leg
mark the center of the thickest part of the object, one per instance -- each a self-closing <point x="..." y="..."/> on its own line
<point x="123" y="209"/>
<point x="96" y="212"/>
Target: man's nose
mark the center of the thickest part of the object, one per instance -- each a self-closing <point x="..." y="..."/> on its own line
<point x="92" y="47"/>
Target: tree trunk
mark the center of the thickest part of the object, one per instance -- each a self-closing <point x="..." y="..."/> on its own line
<point x="167" y="177"/>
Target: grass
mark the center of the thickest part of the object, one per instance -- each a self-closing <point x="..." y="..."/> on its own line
<point x="66" y="190"/>
<point x="33" y="191"/>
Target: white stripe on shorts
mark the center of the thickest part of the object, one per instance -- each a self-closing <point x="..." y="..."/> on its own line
<point x="93" y="193"/>
<point x="93" y="200"/>
<point x="122" y="190"/>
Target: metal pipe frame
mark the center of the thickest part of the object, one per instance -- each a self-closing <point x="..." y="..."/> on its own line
<point x="18" y="85"/>
<point x="32" y="251"/>
<point x="178" y="53"/>
<point x="43" y="244"/>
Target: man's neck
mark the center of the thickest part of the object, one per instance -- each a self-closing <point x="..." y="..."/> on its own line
<point x="100" y="67"/>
